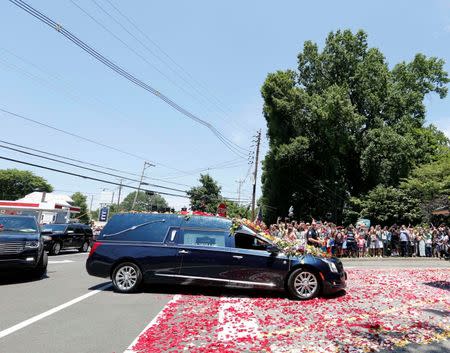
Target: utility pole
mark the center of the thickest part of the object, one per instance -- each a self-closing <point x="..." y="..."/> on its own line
<point x="240" y="182"/>
<point x="120" y="192"/>
<point x="146" y="165"/>
<point x="92" y="200"/>
<point x="255" y="173"/>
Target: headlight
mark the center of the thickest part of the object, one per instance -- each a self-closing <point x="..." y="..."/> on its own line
<point x="46" y="238"/>
<point x="331" y="265"/>
<point x="32" y="244"/>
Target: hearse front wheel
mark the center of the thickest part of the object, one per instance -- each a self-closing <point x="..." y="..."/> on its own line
<point x="303" y="284"/>
<point x="126" y="277"/>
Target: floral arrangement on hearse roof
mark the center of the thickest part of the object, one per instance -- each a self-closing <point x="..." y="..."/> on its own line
<point x="287" y="247"/>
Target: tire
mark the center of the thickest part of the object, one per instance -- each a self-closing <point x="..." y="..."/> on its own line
<point x="126" y="277"/>
<point x="55" y="249"/>
<point x="41" y="268"/>
<point x="303" y="284"/>
<point x="84" y="247"/>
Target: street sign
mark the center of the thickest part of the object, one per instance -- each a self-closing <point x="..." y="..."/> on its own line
<point x="103" y="214"/>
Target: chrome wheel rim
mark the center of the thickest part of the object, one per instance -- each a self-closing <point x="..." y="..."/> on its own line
<point x="85" y="246"/>
<point x="126" y="278"/>
<point x="57" y="248"/>
<point x="305" y="284"/>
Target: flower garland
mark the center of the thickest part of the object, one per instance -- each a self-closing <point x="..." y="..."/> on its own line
<point x="288" y="247"/>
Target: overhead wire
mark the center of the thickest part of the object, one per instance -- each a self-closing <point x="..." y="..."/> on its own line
<point x="87" y="168"/>
<point x="149" y="39"/>
<point x="119" y="70"/>
<point x="154" y="54"/>
<point x="71" y="96"/>
<point x="95" y="164"/>
<point x="88" y="177"/>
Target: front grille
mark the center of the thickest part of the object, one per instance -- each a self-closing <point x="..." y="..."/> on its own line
<point x="13" y="247"/>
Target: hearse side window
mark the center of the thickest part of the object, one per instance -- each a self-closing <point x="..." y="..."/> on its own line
<point x="203" y="238"/>
<point x="245" y="241"/>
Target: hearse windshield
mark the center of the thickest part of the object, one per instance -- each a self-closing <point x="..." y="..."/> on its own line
<point x="18" y="224"/>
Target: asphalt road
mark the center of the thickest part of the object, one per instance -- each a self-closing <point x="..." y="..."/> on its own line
<point x="94" y="319"/>
<point x="104" y="322"/>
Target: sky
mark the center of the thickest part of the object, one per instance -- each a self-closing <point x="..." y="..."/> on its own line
<point x="210" y="57"/>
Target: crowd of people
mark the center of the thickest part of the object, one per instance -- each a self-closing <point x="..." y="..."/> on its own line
<point x="363" y="241"/>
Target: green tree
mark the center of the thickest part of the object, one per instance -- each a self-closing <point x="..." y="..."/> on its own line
<point x="430" y="183"/>
<point x="144" y="202"/>
<point x="80" y="200"/>
<point x="236" y="210"/>
<point x="389" y="205"/>
<point x="205" y="197"/>
<point x="15" y="184"/>
<point x="343" y="123"/>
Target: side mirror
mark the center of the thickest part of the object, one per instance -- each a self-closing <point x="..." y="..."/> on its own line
<point x="272" y="249"/>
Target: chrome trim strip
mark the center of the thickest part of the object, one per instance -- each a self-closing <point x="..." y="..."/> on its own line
<point x="216" y="279"/>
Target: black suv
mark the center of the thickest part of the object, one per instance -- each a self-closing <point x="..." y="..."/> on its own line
<point x="21" y="245"/>
<point x="66" y="236"/>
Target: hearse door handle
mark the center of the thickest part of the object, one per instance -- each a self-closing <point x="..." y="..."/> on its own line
<point x="237" y="257"/>
<point x="183" y="252"/>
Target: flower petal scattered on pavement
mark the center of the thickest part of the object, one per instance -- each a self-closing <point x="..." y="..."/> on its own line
<point x="382" y="309"/>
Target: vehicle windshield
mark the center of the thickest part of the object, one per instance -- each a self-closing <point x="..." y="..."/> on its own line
<point x="18" y="224"/>
<point x="54" y="228"/>
<point x="246" y="230"/>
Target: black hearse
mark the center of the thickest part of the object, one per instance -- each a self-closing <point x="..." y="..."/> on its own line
<point x="21" y="246"/>
<point x="169" y="248"/>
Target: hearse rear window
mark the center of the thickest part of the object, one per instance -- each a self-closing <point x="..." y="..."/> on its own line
<point x="195" y="237"/>
<point x="151" y="231"/>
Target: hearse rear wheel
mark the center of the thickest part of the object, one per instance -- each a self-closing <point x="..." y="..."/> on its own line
<point x="126" y="277"/>
<point x="303" y="284"/>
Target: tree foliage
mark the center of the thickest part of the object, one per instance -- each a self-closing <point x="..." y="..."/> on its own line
<point x="80" y="200"/>
<point x="430" y="183"/>
<point x="234" y="210"/>
<point x="144" y="202"/>
<point x="205" y="197"/>
<point x="344" y="123"/>
<point x="15" y="184"/>
<point x="389" y="205"/>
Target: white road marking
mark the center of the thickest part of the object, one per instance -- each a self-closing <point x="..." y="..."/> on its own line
<point x="152" y="323"/>
<point x="52" y="311"/>
<point x="60" y="261"/>
<point x="232" y="324"/>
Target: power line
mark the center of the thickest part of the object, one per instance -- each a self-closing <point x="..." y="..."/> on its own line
<point x="72" y="134"/>
<point x="86" y="177"/>
<point x="145" y="35"/>
<point x="162" y="60"/>
<point x="86" y="168"/>
<point x="70" y="91"/>
<point x="88" y="163"/>
<point x="119" y="70"/>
